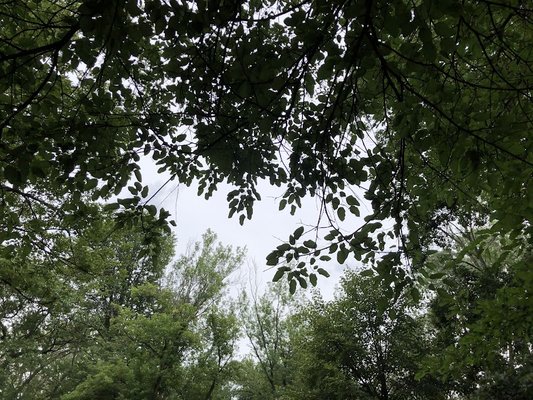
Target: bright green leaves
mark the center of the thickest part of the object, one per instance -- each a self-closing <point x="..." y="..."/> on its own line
<point x="79" y="296"/>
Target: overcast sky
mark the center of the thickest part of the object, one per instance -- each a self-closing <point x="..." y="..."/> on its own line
<point x="268" y="228"/>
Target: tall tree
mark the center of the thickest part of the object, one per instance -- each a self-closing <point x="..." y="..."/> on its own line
<point x="268" y="370"/>
<point x="109" y="321"/>
<point x="483" y="317"/>
<point x="55" y="313"/>
<point x="351" y="350"/>
<point x="180" y="344"/>
<point x="423" y="105"/>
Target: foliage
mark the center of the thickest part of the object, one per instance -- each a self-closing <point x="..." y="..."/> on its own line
<point x="423" y="105"/>
<point x="482" y="313"/>
<point x="268" y="371"/>
<point x="354" y="351"/>
<point x="55" y="312"/>
<point x="111" y="322"/>
<point x="179" y="347"/>
<point x="469" y="338"/>
<point x="103" y="325"/>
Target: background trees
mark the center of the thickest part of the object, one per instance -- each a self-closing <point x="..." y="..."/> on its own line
<point x="57" y="310"/>
<point x="468" y="338"/>
<point x="109" y="322"/>
<point x="268" y="371"/>
<point x="356" y="351"/>
<point x="482" y="317"/>
<point x="105" y="325"/>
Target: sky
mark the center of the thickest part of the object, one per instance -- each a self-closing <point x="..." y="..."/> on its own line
<point x="267" y="229"/>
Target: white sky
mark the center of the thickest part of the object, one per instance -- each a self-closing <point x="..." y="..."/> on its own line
<point x="268" y="228"/>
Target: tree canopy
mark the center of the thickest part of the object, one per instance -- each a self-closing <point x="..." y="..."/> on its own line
<point x="114" y="323"/>
<point x="126" y="326"/>
<point x="424" y="106"/>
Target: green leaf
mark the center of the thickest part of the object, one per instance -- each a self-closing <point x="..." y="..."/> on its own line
<point x="283" y="247"/>
<point x="272" y="258"/>
<point x="323" y="272"/>
<point x="341" y="212"/>
<point x="415" y="295"/>
<point x="152" y="210"/>
<point x="91" y="184"/>
<point x="13" y="175"/>
<point x="144" y="192"/>
<point x="342" y="255"/>
<point x="310" y="244"/>
<point x="355" y="211"/>
<point x="111" y="206"/>
<point x="245" y="90"/>
<point x="292" y="286"/>
<point x="367" y="273"/>
<point x="278" y="275"/>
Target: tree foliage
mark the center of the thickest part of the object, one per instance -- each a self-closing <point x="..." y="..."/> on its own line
<point x="56" y="311"/>
<point x="423" y="105"/>
<point x="468" y="339"/>
<point x="105" y="324"/>
<point x="355" y="351"/>
<point x="109" y="321"/>
<point x="407" y="120"/>
<point x="482" y="314"/>
<point x="268" y="371"/>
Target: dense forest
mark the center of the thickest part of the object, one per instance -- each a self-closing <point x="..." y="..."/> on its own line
<point x="112" y="323"/>
<point x="409" y="122"/>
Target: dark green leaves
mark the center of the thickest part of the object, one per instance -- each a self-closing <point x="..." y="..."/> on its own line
<point x="298" y="232"/>
<point x="280" y="272"/>
<point x="342" y="255"/>
<point x="310" y="244"/>
<point x="323" y="272"/>
<point x="336" y="101"/>
<point x="292" y="286"/>
<point x="13" y="175"/>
